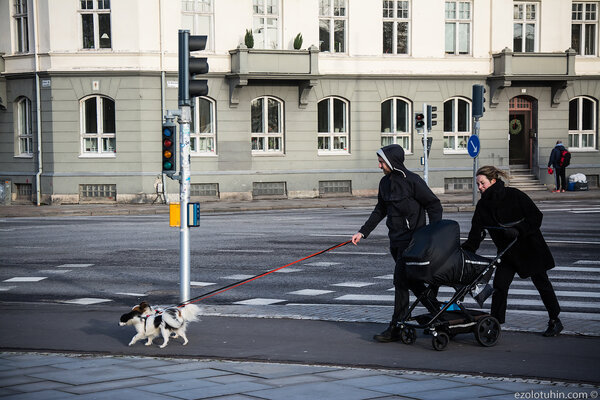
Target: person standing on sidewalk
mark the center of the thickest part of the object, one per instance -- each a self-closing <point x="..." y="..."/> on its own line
<point x="403" y="198"/>
<point x="514" y="215"/>
<point x="560" y="172"/>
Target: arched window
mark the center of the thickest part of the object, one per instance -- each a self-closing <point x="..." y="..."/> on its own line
<point x="395" y="123"/>
<point x="457" y="124"/>
<point x="98" y="126"/>
<point x="332" y="126"/>
<point x="203" y="130"/>
<point x="24" y="129"/>
<point x="266" y="115"/>
<point x="582" y="123"/>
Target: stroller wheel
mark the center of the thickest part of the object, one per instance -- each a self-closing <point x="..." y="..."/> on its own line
<point x="487" y="331"/>
<point x="440" y="341"/>
<point x="408" y="335"/>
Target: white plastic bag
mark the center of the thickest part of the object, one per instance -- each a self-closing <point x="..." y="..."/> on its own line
<point x="578" y="178"/>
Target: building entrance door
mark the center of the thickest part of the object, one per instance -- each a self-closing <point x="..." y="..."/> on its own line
<point x="521" y="132"/>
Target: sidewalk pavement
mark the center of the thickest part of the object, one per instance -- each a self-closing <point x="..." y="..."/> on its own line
<point x="455" y="202"/>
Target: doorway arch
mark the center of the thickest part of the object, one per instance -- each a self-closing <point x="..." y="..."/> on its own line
<point x="522" y="131"/>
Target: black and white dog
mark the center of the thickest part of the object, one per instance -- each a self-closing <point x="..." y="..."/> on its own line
<point x="150" y="322"/>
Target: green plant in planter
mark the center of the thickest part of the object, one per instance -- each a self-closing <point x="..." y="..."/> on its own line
<point x="249" y="39"/>
<point x="298" y="41"/>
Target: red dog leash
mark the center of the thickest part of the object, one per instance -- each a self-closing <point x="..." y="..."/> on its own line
<point x="240" y="283"/>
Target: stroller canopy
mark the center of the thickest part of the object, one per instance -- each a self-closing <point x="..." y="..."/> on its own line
<point x="434" y="256"/>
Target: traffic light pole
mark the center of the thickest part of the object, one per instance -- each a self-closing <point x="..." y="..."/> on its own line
<point x="425" y="162"/>
<point x="475" y="162"/>
<point x="184" y="199"/>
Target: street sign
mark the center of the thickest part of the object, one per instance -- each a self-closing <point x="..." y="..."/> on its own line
<point x="473" y="146"/>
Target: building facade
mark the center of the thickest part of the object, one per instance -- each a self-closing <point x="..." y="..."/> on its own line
<point x="84" y="86"/>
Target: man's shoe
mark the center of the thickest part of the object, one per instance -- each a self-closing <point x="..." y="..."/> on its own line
<point x="391" y="334"/>
<point x="555" y="327"/>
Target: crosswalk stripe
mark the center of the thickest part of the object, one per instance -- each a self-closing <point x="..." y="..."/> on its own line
<point x="311" y="292"/>
<point x="259" y="302"/>
<point x="25" y="279"/>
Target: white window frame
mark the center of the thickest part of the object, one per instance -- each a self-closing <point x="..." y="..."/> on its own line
<point x="24" y="129"/>
<point x="585" y="14"/>
<point x="526" y="13"/>
<point x="95" y="8"/>
<point x="194" y="14"/>
<point x="329" y="15"/>
<point x="21" y="20"/>
<point x="264" y="11"/>
<point x="103" y="139"/>
<point x="395" y="135"/>
<point x="577" y="136"/>
<point x="459" y="138"/>
<point x="326" y="140"/>
<point x="457" y="19"/>
<point x="396" y="12"/>
<point x="207" y="134"/>
<point x="264" y="135"/>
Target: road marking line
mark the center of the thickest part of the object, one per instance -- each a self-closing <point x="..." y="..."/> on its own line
<point x="587" y="262"/>
<point x="360" y="253"/>
<point x="74" y="265"/>
<point x="533" y="291"/>
<point x="132" y="294"/>
<point x="239" y="277"/>
<point x="322" y="264"/>
<point x="196" y="283"/>
<point x="389" y="276"/>
<point x="353" y="284"/>
<point x="311" y="292"/>
<point x="288" y="270"/>
<point x="26" y="279"/>
<point x="245" y="251"/>
<point x="577" y="269"/>
<point x="6" y="288"/>
<point x="365" y="297"/>
<point x="86" y="301"/>
<point x="259" y="302"/>
<point x="53" y="271"/>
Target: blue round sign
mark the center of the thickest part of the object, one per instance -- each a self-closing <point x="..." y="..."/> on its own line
<point x="473" y="146"/>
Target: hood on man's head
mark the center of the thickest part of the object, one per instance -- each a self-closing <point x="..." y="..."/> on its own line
<point x="393" y="156"/>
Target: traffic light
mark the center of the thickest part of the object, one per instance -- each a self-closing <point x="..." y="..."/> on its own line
<point x="419" y="121"/>
<point x="478" y="100"/>
<point x="190" y="66"/>
<point x="431" y="117"/>
<point x="169" y="166"/>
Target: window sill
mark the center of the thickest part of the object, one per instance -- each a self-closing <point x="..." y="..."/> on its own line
<point x="210" y="155"/>
<point x="456" y="151"/>
<point x="25" y="156"/>
<point x="96" y="155"/>
<point x="333" y="153"/>
<point x="267" y="154"/>
<point x="582" y="150"/>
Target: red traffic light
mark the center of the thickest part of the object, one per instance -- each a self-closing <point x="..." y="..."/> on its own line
<point x="419" y="120"/>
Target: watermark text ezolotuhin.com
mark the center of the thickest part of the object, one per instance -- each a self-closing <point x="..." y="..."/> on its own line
<point x="555" y="394"/>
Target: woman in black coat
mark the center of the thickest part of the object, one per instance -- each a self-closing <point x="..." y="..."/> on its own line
<point x="530" y="257"/>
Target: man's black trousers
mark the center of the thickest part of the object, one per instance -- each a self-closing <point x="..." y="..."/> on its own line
<point x="402" y="286"/>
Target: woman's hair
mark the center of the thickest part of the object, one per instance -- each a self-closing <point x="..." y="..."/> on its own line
<point x="491" y="172"/>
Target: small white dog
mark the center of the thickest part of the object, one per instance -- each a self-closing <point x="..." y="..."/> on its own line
<point x="149" y="323"/>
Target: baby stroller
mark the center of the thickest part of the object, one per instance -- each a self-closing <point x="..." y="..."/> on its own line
<point x="435" y="257"/>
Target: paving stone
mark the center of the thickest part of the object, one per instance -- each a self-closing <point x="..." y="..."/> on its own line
<point x="174" y="386"/>
<point x="326" y="390"/>
<point x="221" y="390"/>
<point x="403" y="388"/>
<point x="269" y="370"/>
<point x="38" y="386"/>
<point x="17" y="380"/>
<point x="116" y="384"/>
<point x="297" y="379"/>
<point x="463" y="392"/>
<point x="348" y="373"/>
<point x="191" y="374"/>
<point x="92" y="375"/>
<point x="42" y="395"/>
<point x="119" y="394"/>
<point x="368" y="382"/>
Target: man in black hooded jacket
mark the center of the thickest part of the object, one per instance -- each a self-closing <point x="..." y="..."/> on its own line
<point x="404" y="198"/>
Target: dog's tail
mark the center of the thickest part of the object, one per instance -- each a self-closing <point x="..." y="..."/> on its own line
<point x="190" y="312"/>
